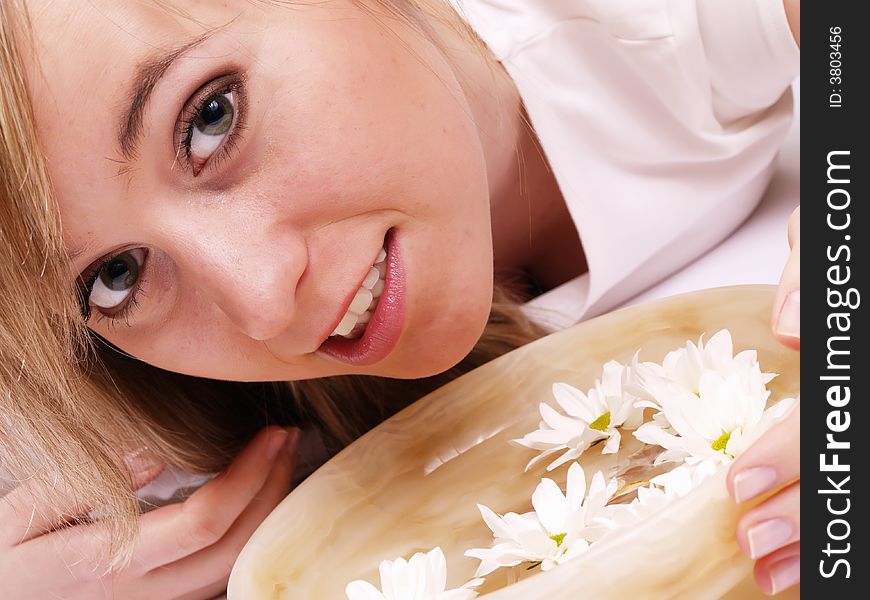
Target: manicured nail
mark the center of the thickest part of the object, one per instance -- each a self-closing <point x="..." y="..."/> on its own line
<point x="789" y="322"/>
<point x="767" y="536"/>
<point x="785" y="573"/>
<point x="144" y="467"/>
<point x="292" y="444"/>
<point x="752" y="482"/>
<point x="276" y="442"/>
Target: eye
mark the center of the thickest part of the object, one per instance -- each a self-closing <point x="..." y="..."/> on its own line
<point x="210" y="122"/>
<point x="116" y="281"/>
<point x="213" y="121"/>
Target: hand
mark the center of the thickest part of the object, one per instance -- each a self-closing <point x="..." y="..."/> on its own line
<point x="786" y="319"/>
<point x="183" y="550"/>
<point x="770" y="533"/>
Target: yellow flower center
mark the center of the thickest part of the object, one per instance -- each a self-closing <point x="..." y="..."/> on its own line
<point x="601" y="423"/>
<point x="721" y="442"/>
<point x="558" y="538"/>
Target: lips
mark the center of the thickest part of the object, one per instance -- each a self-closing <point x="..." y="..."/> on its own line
<point x="381" y="334"/>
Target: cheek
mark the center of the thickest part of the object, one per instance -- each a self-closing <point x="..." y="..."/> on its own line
<point x="356" y="119"/>
<point x="380" y="124"/>
<point x="186" y="343"/>
<point x="427" y="151"/>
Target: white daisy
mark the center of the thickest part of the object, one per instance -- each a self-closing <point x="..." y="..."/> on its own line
<point x="662" y="490"/>
<point x="588" y="419"/>
<point x="686" y="365"/>
<point x="719" y="421"/>
<point x="560" y="528"/>
<point x="424" y="577"/>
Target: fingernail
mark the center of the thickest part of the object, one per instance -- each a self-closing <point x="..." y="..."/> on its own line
<point x="767" y="536"/>
<point x="752" y="482"/>
<point x="144" y="467"/>
<point x="785" y="574"/>
<point x="276" y="442"/>
<point x="292" y="444"/>
<point x="789" y="322"/>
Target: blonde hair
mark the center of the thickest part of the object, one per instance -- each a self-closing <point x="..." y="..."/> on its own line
<point x="72" y="407"/>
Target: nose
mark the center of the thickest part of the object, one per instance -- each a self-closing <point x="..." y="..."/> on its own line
<point x="250" y="272"/>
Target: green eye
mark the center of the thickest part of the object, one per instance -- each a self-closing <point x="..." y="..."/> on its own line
<point x="117" y="280"/>
<point x="210" y="128"/>
<point x="120" y="274"/>
<point x="216" y="117"/>
<point x="209" y="122"/>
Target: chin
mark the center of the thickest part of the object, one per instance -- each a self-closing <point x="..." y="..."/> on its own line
<point x="442" y="345"/>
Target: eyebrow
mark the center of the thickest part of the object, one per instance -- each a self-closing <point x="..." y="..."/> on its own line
<point x="145" y="79"/>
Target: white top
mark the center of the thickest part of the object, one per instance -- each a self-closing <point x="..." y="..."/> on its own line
<point x="660" y="118"/>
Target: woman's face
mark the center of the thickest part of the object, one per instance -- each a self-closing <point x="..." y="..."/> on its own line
<point x="229" y="172"/>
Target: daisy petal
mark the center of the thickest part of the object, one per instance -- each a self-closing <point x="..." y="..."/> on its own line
<point x="362" y="590"/>
<point x="550" y="506"/>
<point x="612" y="444"/>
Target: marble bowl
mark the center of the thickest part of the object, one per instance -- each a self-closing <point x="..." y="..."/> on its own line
<point x="413" y="482"/>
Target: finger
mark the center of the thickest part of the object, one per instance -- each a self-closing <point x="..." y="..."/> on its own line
<point x="205" y="517"/>
<point x="786" y="306"/>
<point x="213" y="564"/>
<point x="770" y="462"/>
<point x="23" y="515"/>
<point x="794" y="227"/>
<point x="773" y="524"/>
<point x="780" y="570"/>
<point x="172" y="532"/>
<point x="36" y="507"/>
<point x="207" y="593"/>
<point x="210" y="592"/>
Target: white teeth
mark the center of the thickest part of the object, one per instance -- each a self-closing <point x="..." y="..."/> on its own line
<point x="361" y="301"/>
<point x="346" y="325"/>
<point x="371" y="279"/>
<point x="364" y="302"/>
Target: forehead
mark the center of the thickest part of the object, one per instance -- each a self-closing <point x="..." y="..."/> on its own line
<point x="93" y="38"/>
<point x="88" y="48"/>
<point x="142" y="24"/>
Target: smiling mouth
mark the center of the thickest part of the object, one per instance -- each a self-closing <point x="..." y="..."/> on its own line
<point x="362" y="307"/>
<point x="375" y="320"/>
